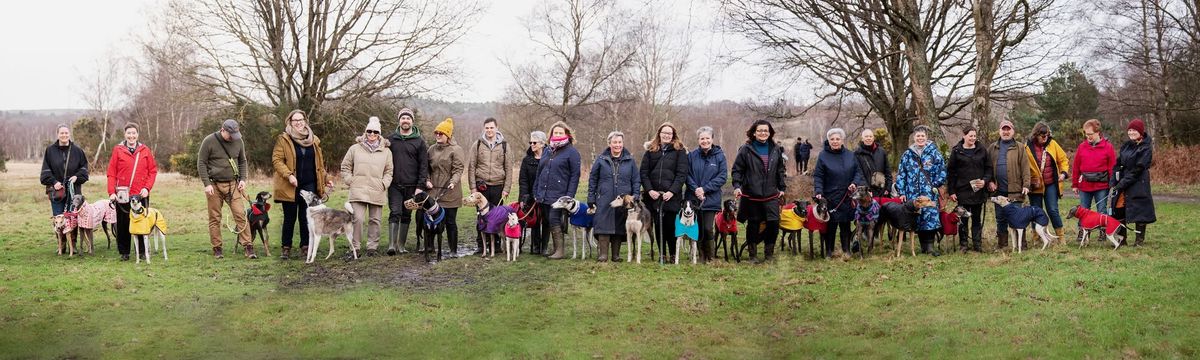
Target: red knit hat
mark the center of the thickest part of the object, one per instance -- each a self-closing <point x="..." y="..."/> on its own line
<point x="1139" y="125"/>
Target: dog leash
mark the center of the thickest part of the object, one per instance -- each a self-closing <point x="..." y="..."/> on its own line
<point x="228" y="198"/>
<point x="765" y="199"/>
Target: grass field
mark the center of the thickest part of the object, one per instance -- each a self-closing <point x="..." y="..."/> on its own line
<point x="1061" y="303"/>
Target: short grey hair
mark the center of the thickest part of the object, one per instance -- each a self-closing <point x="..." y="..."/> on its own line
<point x="704" y="129"/>
<point x="833" y="131"/>
<point x="614" y="134"/>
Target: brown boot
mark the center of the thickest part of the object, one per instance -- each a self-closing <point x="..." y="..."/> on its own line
<point x="217" y="252"/>
<point x="602" y="248"/>
<point x="286" y="253"/>
<point x="250" y="252"/>
<point x="1001" y="240"/>
<point x="614" y="244"/>
<point x="1059" y="233"/>
<point x="557" y="237"/>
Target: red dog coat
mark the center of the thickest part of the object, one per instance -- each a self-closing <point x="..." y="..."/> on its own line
<point x="256" y="210"/>
<point x="1090" y="219"/>
<point x="949" y="223"/>
<point x="726" y="226"/>
<point x="527" y="217"/>
<point x="811" y="222"/>
<point x="884" y="200"/>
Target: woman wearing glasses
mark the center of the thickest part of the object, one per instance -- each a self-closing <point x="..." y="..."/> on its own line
<point x="367" y="171"/>
<point x="298" y="163"/>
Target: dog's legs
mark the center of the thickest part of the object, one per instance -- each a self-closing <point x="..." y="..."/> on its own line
<point x="265" y="236"/>
<point x="137" y="252"/>
<point x="163" y="237"/>
<point x="574" y="242"/>
<point x="678" y="245"/>
<point x="641" y="237"/>
<point x="733" y="247"/>
<point x="693" y="253"/>
<point x="629" y="251"/>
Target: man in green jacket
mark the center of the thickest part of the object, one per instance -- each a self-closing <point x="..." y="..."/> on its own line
<point x="221" y="165"/>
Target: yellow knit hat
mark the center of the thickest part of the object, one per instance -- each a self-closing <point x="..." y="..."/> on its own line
<point x="445" y="127"/>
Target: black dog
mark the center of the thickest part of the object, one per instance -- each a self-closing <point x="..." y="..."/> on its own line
<point x="433" y="222"/>
<point x="258" y="218"/>
<point x="902" y="219"/>
<point x="727" y="228"/>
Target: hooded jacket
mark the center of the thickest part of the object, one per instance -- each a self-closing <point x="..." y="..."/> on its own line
<point x="489" y="161"/>
<point x="527" y="175"/>
<point x="283" y="159"/>
<point x="611" y="178"/>
<point x="368" y="172"/>
<point x="965" y="165"/>
<point x="665" y="170"/>
<point x="835" y="171"/>
<point x="410" y="159"/>
<point x="558" y="174"/>
<point x="759" y="181"/>
<point x="54" y="159"/>
<point x="121" y="164"/>
<point x="1133" y="180"/>
<point x="1057" y="159"/>
<point x="922" y="169"/>
<point x="872" y="159"/>
<point x="446" y="167"/>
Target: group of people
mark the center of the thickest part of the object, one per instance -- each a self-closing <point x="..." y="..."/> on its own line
<point x="381" y="170"/>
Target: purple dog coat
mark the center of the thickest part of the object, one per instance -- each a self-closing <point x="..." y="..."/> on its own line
<point x="493" y="222"/>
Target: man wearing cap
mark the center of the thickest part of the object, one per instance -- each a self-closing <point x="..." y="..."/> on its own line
<point x="221" y="165"/>
<point x="410" y="166"/>
<point x="1010" y="174"/>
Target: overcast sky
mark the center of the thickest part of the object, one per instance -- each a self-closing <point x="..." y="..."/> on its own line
<point x="49" y="46"/>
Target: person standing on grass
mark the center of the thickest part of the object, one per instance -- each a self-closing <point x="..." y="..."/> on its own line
<point x="705" y="180"/>
<point x="1134" y="202"/>
<point x="64" y="170"/>
<point x="410" y="173"/>
<point x="759" y="181"/>
<point x="873" y="163"/>
<point x="967" y="170"/>
<point x="299" y="165"/>
<point x="221" y="165"/>
<point x="1092" y="168"/>
<point x="664" y="171"/>
<point x="922" y="172"/>
<point x="802" y="150"/>
<point x="131" y="170"/>
<point x="1010" y="174"/>
<point x="446" y="171"/>
<point x="836" y="177"/>
<point x="614" y="174"/>
<point x="1048" y="167"/>
<point x="367" y="172"/>
<point x="558" y="176"/>
<point x="527" y="182"/>
<point x="487" y="169"/>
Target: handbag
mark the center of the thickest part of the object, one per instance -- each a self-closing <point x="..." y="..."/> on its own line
<point x="61" y="193"/>
<point x="1096" y="176"/>
<point x="123" y="191"/>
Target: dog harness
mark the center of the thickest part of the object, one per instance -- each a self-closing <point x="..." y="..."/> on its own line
<point x="869" y="214"/>
<point x="255" y="209"/>
<point x="692" y="232"/>
<point x="949" y="223"/>
<point x="432" y="222"/>
<point x="144" y="223"/>
<point x="724" y="226"/>
<point x="527" y="217"/>
<point x="1019" y="216"/>
<point x="1090" y="219"/>
<point x="789" y="220"/>
<point x="494" y="221"/>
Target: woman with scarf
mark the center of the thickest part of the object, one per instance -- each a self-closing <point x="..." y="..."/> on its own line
<point x="299" y="165"/>
<point x="558" y="176"/>
<point x="367" y="171"/>
<point x="759" y="182"/>
<point x="922" y="172"/>
<point x="131" y="171"/>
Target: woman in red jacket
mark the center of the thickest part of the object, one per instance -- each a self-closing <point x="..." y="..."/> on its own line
<point x="1092" y="168"/>
<point x="132" y="170"/>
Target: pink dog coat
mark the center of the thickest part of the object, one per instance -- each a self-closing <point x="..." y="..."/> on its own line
<point x="512" y="231"/>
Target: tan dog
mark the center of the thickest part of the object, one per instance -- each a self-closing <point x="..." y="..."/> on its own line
<point x="65" y="237"/>
<point x="637" y="225"/>
<point x="481" y="209"/>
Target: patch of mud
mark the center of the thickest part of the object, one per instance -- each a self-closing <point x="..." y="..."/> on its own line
<point x="410" y="271"/>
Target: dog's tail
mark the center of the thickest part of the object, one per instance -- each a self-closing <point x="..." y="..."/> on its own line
<point x="349" y="209"/>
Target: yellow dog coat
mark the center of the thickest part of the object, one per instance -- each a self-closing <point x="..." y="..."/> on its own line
<point x="788" y="220"/>
<point x="150" y="218"/>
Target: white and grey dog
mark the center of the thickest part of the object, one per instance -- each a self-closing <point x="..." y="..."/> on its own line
<point x="580" y="218"/>
<point x="326" y="221"/>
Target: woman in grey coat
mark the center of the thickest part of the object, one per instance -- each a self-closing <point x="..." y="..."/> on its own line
<point x="614" y="173"/>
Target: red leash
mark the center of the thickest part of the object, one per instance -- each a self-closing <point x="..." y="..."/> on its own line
<point x="769" y="198"/>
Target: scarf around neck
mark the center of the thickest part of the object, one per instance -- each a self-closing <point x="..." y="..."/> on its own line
<point x="558" y="142"/>
<point x="305" y="138"/>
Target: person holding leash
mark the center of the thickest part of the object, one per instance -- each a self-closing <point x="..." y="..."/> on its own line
<point x="131" y="171"/>
<point x="922" y="172"/>
<point x="1048" y="168"/>
<point x="1134" y="203"/>
<point x="558" y="176"/>
<point x="367" y="172"/>
<point x="1092" y="168"/>
<point x="526" y="183"/>
<point x="836" y="177"/>
<point x="1010" y="175"/>
<point x="64" y="170"/>
<point x="487" y="168"/>
<point x="299" y="165"/>
<point x="410" y="167"/>
<point x="614" y="174"/>
<point x="221" y="165"/>
<point x="664" y="171"/>
<point x="705" y="180"/>
<point x="446" y="171"/>
<point x="759" y="181"/>
<point x="872" y="163"/>
<point x="967" y="171"/>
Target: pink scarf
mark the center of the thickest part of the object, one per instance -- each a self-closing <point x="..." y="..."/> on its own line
<point x="559" y="141"/>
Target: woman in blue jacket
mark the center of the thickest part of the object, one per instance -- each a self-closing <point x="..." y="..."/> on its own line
<point x="558" y="176"/>
<point x="613" y="174"/>
<point x="708" y="175"/>
<point x="835" y="178"/>
<point x="922" y="172"/>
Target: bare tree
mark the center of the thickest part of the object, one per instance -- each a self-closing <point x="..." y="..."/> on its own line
<point x="664" y="72"/>
<point x="102" y="93"/>
<point x="589" y="44"/>
<point x="300" y="54"/>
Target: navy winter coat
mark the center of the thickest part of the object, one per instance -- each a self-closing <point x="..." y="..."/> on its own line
<point x="835" y="171"/>
<point x="710" y="172"/>
<point x="1133" y="169"/>
<point x="608" y="180"/>
<point x="558" y="174"/>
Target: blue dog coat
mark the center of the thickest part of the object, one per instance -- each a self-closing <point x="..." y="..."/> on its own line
<point x="582" y="218"/>
<point x="1019" y="216"/>
<point x="692" y="232"/>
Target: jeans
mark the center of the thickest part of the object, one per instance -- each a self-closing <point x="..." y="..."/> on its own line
<point x="1100" y="197"/>
<point x="1048" y="201"/>
<point x="58" y="207"/>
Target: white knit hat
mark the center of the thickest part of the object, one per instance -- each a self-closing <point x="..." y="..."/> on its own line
<point x="373" y="124"/>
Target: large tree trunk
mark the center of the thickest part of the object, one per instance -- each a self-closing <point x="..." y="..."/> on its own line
<point x="919" y="73"/>
<point x="984" y="69"/>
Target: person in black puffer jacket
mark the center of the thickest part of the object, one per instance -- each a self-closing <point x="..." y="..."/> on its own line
<point x="759" y="181"/>
<point x="872" y="159"/>
<point x="835" y="178"/>
<point x="63" y="164"/>
<point x="969" y="162"/>
<point x="410" y="173"/>
<point x="664" y="171"/>
<point x="526" y="180"/>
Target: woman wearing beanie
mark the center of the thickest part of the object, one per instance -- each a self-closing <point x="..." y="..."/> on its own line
<point x="558" y="176"/>
<point x="1131" y="182"/>
<point x="527" y="181"/>
<point x="367" y="172"/>
<point x="446" y="168"/>
<point x="1092" y="169"/>
<point x="759" y="181"/>
<point x="664" y="172"/>
<point x="1048" y="168"/>
<point x="299" y="165"/>
<point x="922" y="172"/>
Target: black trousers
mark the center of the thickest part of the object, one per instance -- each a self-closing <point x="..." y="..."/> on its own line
<point x="664" y="234"/>
<point x="124" y="239"/>
<point x="294" y="212"/>
<point x="707" y="234"/>
<point x="767" y="236"/>
<point x="801" y="163"/>
<point x="492" y="194"/>
<point x="827" y="237"/>
<point x="973" y="227"/>
<point x="397" y="195"/>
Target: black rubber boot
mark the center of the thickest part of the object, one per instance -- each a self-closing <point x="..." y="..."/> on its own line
<point x="615" y="249"/>
<point x="452" y="235"/>
<point x="1141" y="235"/>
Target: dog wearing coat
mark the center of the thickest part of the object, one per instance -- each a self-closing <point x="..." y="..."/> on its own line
<point x="97" y="215"/>
<point x="490" y="221"/>
<point x="512" y="237"/>
<point x="581" y="220"/>
<point x="818" y="216"/>
<point x="327" y="221"/>
<point x="727" y="228"/>
<point x="950" y="221"/>
<point x="638" y="224"/>
<point x="1090" y="219"/>
<point x="866" y="215"/>
<point x="147" y="221"/>
<point x="1019" y="217"/>
<point x="791" y="222"/>
<point x="258" y="218"/>
<point x="686" y="228"/>
<point x="433" y="222"/>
